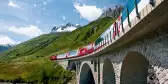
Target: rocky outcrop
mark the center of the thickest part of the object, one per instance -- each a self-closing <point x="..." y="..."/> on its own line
<point x="112" y="12"/>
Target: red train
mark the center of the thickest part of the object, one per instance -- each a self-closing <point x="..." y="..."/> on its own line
<point x="103" y="40"/>
<point x="75" y="53"/>
<point x="53" y="57"/>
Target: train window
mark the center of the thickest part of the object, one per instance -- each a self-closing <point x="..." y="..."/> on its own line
<point x="104" y="40"/>
<point x="99" y="44"/>
<point x="116" y="28"/>
<point x="108" y="37"/>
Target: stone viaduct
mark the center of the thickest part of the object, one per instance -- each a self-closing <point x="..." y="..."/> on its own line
<point x="139" y="55"/>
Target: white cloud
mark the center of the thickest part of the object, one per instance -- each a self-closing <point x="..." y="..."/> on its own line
<point x="44" y="3"/>
<point x="87" y="12"/>
<point x="13" y="4"/>
<point x="6" y="40"/>
<point x="31" y="31"/>
<point x="35" y="5"/>
<point x="63" y="17"/>
<point x="27" y="19"/>
<point x="68" y="29"/>
<point x="77" y="24"/>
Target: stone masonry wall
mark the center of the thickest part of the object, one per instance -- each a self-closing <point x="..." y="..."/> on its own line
<point x="154" y="48"/>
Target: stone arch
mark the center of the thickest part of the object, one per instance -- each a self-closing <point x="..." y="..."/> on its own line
<point x="134" y="69"/>
<point x="86" y="75"/>
<point x="108" y="73"/>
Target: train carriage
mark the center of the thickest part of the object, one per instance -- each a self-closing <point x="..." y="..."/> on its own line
<point x="90" y="48"/>
<point x="98" y="43"/>
<point x="62" y="56"/>
<point x="106" y="36"/>
<point x="72" y="54"/>
<point x="53" y="57"/>
<point x="82" y="51"/>
<point x="95" y="48"/>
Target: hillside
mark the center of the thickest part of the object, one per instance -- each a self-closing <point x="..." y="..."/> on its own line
<point x="30" y="62"/>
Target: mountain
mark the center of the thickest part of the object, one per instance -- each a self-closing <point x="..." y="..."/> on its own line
<point x="112" y="12"/>
<point x="65" y="28"/>
<point x="5" y="47"/>
<point x="29" y="61"/>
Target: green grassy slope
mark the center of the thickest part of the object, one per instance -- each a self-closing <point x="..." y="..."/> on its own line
<point x="29" y="60"/>
<point x="28" y="47"/>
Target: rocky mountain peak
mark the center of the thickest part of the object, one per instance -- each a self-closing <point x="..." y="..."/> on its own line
<point x="112" y="12"/>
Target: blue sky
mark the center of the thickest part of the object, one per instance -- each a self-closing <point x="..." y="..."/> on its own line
<point x="22" y="20"/>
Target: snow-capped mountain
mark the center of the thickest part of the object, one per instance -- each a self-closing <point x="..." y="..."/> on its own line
<point x="65" y="28"/>
<point x="5" y="47"/>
